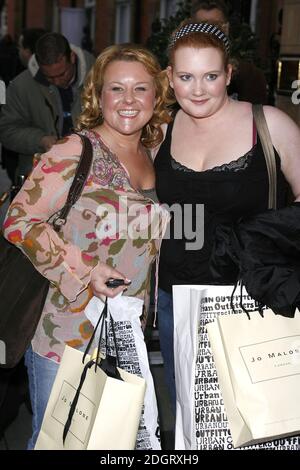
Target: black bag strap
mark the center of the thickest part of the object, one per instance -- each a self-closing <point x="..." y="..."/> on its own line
<point x="78" y="182"/>
<point x="268" y="149"/>
<point x="102" y="323"/>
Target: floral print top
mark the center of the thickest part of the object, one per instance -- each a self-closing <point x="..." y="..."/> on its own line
<point x="111" y="222"/>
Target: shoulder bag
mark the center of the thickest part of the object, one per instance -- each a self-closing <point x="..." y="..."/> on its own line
<point x="23" y="289"/>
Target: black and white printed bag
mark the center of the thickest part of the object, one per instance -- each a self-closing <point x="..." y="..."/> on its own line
<point x="133" y="358"/>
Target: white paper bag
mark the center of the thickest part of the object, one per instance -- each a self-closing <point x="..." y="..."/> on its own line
<point x="258" y="365"/>
<point x="133" y="357"/>
<point x="107" y="413"/>
<point x="201" y="419"/>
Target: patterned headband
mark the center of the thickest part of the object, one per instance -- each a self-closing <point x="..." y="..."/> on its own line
<point x="200" y="28"/>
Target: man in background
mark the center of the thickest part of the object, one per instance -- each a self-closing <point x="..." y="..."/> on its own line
<point x="248" y="82"/>
<point x="43" y="102"/>
<point x="26" y="49"/>
<point x="27" y="43"/>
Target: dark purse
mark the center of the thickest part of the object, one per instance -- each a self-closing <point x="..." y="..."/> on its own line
<point x="23" y="289"/>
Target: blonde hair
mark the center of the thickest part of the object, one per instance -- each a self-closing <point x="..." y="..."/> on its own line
<point x="91" y="115"/>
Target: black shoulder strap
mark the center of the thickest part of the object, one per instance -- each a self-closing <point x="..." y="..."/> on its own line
<point x="79" y="180"/>
<point x="268" y="149"/>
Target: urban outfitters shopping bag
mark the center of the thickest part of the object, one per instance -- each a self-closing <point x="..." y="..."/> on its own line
<point x="132" y="356"/>
<point x="106" y="416"/>
<point x="201" y="418"/>
<point x="258" y="366"/>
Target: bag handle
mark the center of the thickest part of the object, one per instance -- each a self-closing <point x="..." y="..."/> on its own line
<point x="78" y="182"/>
<point x="103" y="321"/>
<point x="108" y="365"/>
<point x="268" y="149"/>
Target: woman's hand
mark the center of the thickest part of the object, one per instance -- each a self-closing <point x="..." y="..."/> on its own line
<point x="100" y="275"/>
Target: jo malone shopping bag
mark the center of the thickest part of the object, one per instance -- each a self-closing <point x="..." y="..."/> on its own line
<point x="258" y="366"/>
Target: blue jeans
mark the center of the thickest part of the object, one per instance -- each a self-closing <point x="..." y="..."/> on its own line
<point x="166" y="327"/>
<point x="41" y="375"/>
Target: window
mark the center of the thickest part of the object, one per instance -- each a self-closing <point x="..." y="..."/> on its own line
<point x="90" y="13"/>
<point x="253" y="15"/>
<point x="288" y="70"/>
<point x="123" y="21"/>
<point x="167" y="8"/>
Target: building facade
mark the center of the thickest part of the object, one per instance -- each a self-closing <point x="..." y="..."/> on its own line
<point x="100" y="23"/>
<point x="115" y="21"/>
<point x="107" y="21"/>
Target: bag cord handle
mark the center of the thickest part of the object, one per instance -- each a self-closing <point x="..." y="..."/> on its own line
<point x="78" y="183"/>
<point x="103" y="321"/>
<point x="268" y="149"/>
<point x="108" y="365"/>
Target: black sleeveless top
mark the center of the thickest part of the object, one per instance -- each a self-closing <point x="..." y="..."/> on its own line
<point x="228" y="192"/>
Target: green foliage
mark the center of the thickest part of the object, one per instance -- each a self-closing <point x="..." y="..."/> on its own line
<point x="243" y="41"/>
<point x="162" y="29"/>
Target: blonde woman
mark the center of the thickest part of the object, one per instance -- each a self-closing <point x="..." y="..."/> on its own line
<point x="124" y="105"/>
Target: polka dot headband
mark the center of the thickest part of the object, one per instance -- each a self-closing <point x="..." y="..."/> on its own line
<point x="200" y="28"/>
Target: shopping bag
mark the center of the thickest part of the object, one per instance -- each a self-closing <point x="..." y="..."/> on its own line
<point x="201" y="419"/>
<point x="107" y="413"/>
<point x="258" y="366"/>
<point x="132" y="353"/>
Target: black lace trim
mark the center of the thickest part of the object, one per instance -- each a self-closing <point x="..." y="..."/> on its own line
<point x="235" y="165"/>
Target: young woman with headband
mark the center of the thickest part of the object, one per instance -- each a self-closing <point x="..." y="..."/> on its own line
<point x="211" y="155"/>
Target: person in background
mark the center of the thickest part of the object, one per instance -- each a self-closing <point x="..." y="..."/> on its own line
<point x="248" y="81"/>
<point x="27" y="44"/>
<point x="86" y="42"/>
<point x="124" y="106"/>
<point x="42" y="104"/>
<point x="211" y="155"/>
<point x="10" y="65"/>
<point x="275" y="40"/>
<point x="14" y="382"/>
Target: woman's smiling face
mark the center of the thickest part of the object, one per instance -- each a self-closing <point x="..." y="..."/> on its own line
<point x="127" y="97"/>
<point x="199" y="80"/>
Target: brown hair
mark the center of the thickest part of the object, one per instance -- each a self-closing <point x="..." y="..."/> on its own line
<point x="91" y="115"/>
<point x="51" y="47"/>
<point x="209" y="5"/>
